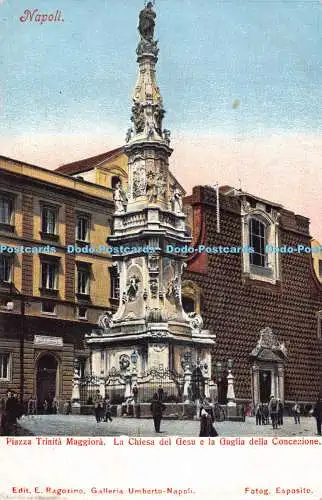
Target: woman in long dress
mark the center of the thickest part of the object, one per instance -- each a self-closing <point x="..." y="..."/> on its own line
<point x="206" y="425"/>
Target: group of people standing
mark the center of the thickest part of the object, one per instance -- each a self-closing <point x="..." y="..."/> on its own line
<point x="10" y="411"/>
<point x="102" y="408"/>
<point x="273" y="410"/>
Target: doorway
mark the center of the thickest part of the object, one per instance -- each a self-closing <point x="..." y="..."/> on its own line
<point x="265" y="381"/>
<point x="46" y="382"/>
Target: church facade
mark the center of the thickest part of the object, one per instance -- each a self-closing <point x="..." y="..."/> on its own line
<point x="253" y="279"/>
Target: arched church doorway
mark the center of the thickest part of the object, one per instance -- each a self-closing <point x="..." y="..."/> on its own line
<point x="265" y="383"/>
<point x="47" y="371"/>
<point x="197" y="385"/>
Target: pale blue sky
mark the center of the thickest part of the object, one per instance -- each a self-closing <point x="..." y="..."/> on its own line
<point x="79" y="75"/>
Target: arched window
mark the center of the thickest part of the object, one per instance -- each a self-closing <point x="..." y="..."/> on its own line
<point x="257" y="241"/>
<point x="260" y="237"/>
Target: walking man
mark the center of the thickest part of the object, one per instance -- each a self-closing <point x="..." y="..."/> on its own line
<point x="135" y="392"/>
<point x="259" y="414"/>
<point x="296" y="412"/>
<point x="157" y="408"/>
<point x="160" y="393"/>
<point x="11" y="411"/>
<point x="98" y="406"/>
<point x="107" y="410"/>
<point x="273" y="411"/>
<point x="280" y="412"/>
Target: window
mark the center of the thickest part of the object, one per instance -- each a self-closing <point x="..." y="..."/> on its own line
<point x="6" y="212"/>
<point x="49" y="220"/>
<point x="260" y="233"/>
<point x="5" y="268"/>
<point x="49" y="275"/>
<point x="82" y="312"/>
<point x="48" y="307"/>
<point x="5" y="209"/>
<point x="82" y="228"/>
<point x="4" y="366"/>
<point x="115" y="282"/>
<point x="257" y="240"/>
<point x="83" y="279"/>
<point x="320" y="268"/>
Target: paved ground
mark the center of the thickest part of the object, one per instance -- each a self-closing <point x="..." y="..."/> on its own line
<point x="84" y="425"/>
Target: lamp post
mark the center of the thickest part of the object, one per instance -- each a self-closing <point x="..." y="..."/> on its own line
<point x="230" y="388"/>
<point x="134" y="358"/>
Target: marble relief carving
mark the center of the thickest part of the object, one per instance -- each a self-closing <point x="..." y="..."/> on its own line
<point x="151" y="187"/>
<point x="132" y="288"/>
<point x="139" y="179"/>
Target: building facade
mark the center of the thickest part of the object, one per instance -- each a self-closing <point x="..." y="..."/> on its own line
<point x="263" y="305"/>
<point x="51" y="294"/>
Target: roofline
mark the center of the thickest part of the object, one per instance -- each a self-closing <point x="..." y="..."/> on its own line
<point x="115" y="152"/>
<point x="43" y="169"/>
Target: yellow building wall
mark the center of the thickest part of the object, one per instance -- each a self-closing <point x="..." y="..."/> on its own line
<point x="116" y="167"/>
<point x="100" y="216"/>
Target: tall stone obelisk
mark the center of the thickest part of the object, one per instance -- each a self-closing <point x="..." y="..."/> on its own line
<point x="150" y="319"/>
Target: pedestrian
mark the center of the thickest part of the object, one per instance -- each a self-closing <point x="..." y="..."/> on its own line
<point x="273" y="411"/>
<point x="206" y="424"/>
<point x="67" y="408"/>
<point x="11" y="411"/>
<point x="157" y="408"/>
<point x="98" y="406"/>
<point x="55" y="406"/>
<point x="280" y="412"/>
<point x="45" y="406"/>
<point x="2" y="417"/>
<point x="317" y="413"/>
<point x="265" y="413"/>
<point x="107" y="410"/>
<point x="296" y="410"/>
<point x="30" y="406"/>
<point x="160" y="393"/>
<point x="135" y="392"/>
<point x="259" y="414"/>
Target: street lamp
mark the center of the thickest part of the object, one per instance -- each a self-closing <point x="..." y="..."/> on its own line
<point x="134" y="357"/>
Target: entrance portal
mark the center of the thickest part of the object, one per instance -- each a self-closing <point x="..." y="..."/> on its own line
<point x="265" y="380"/>
<point x="46" y="381"/>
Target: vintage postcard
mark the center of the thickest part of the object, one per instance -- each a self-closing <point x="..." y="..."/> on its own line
<point x="160" y="249"/>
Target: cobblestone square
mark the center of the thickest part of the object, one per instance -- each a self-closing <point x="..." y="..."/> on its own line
<point x="86" y="425"/>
